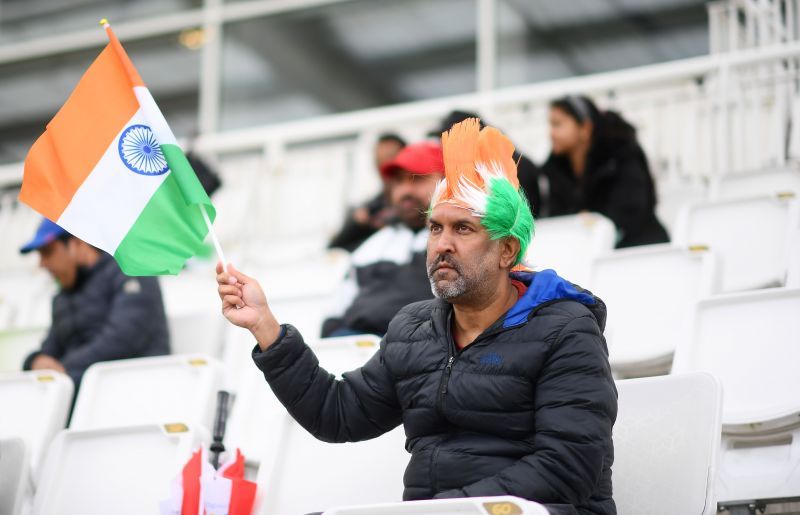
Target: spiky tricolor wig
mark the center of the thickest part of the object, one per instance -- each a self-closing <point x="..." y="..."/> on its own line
<point x="481" y="177"/>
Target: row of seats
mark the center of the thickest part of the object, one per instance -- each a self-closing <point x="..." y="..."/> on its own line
<point x="93" y="468"/>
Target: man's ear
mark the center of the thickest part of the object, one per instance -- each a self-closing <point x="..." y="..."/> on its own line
<point x="509" y="249"/>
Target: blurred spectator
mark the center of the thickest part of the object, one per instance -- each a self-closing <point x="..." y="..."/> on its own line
<point x="366" y="219"/>
<point x="388" y="270"/>
<point x="99" y="314"/>
<point x="527" y="172"/>
<point x="597" y="165"/>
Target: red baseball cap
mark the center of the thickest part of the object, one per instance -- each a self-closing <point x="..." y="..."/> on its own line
<point x="418" y="158"/>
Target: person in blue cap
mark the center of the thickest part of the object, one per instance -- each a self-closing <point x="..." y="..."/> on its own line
<point x="99" y="313"/>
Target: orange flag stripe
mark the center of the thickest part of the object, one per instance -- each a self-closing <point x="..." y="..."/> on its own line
<point x="81" y="132"/>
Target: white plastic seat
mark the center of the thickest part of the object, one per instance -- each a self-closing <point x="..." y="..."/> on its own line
<point x="568" y="244"/>
<point x="505" y="505"/>
<point x="148" y="390"/>
<point x="257" y="412"/>
<point x="300" y="474"/>
<point x="750" y="341"/>
<point x="752" y="237"/>
<point x="35" y="406"/>
<point x="123" y="470"/>
<point x="651" y="293"/>
<point x="743" y="185"/>
<point x="666" y="440"/>
<point x="14" y="469"/>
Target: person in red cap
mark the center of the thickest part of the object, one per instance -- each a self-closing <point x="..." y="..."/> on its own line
<point x="388" y="269"/>
<point x="365" y="220"/>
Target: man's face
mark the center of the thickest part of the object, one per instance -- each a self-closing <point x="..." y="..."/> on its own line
<point x="385" y="151"/>
<point x="411" y="195"/>
<point x="463" y="261"/>
<point x="59" y="260"/>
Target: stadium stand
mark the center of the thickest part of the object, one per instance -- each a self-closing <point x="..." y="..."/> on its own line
<point x="672" y="280"/>
<point x="749" y="341"/>
<point x="125" y="470"/>
<point x="568" y="244"/>
<point x="721" y="134"/>
<point x="148" y="390"/>
<point x="14" y="469"/>
<point x="50" y="393"/>
<point x="666" y="443"/>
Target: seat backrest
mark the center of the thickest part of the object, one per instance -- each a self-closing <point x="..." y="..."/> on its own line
<point x="14" y="469"/>
<point x="742" y="185"/>
<point x="122" y="470"/>
<point x="648" y="287"/>
<point x="256" y="411"/>
<point x="505" y="505"/>
<point x="35" y="406"/>
<point x="750" y="342"/>
<point x="666" y="440"/>
<point x="752" y="237"/>
<point x="148" y="390"/>
<point x="300" y="474"/>
<point x="567" y="244"/>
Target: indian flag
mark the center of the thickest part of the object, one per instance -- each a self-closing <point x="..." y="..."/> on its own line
<point x="109" y="170"/>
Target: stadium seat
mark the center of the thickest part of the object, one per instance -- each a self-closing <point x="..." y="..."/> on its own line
<point x="750" y="341"/>
<point x="651" y="292"/>
<point x="256" y="411"/>
<point x="123" y="470"/>
<point x="14" y="469"/>
<point x="501" y="505"/>
<point x="148" y="390"/>
<point x="743" y="185"/>
<point x="568" y="244"/>
<point x="35" y="407"/>
<point x="752" y="237"/>
<point x="300" y="474"/>
<point x="666" y="441"/>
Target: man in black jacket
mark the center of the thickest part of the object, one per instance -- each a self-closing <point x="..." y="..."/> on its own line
<point x="502" y="382"/>
<point x="99" y="314"/>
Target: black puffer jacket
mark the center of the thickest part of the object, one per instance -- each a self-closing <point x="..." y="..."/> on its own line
<point x="526" y="410"/>
<point x="105" y="316"/>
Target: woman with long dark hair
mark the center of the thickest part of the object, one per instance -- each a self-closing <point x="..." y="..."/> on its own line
<point x="597" y="165"/>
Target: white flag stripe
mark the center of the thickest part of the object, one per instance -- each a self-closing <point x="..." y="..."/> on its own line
<point x="154" y="117"/>
<point x="111" y="198"/>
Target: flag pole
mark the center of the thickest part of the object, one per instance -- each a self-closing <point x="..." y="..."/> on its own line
<point x="214" y="239"/>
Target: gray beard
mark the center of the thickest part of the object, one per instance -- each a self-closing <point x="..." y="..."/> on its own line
<point x="451" y="289"/>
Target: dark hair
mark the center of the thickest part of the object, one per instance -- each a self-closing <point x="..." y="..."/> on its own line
<point x="391" y="137"/>
<point x="609" y="126"/>
<point x="452" y="118"/>
<point x="578" y="107"/>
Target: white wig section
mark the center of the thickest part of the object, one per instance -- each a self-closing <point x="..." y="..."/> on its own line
<point x="466" y="193"/>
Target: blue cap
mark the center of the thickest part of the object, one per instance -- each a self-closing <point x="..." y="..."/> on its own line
<point x="46" y="233"/>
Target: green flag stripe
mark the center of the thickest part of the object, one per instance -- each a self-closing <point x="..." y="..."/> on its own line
<point x="170" y="229"/>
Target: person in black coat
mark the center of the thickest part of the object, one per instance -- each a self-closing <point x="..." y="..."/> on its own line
<point x="597" y="165"/>
<point x="99" y="314"/>
<point x="502" y="382"/>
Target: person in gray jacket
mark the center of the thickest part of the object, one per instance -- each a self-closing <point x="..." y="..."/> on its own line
<point x="99" y="313"/>
<point x="501" y="382"/>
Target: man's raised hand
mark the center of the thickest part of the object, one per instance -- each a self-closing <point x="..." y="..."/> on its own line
<point x="245" y="305"/>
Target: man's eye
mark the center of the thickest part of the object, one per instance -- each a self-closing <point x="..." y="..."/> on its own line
<point x="435" y="228"/>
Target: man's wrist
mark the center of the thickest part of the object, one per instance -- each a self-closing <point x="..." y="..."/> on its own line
<point x="266" y="331"/>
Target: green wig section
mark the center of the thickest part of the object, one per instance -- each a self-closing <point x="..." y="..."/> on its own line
<point x="508" y="214"/>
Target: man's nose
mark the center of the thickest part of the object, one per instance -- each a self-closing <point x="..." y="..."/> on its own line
<point x="444" y="243"/>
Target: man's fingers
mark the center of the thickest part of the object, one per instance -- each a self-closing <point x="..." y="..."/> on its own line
<point x="228" y="289"/>
<point x="233" y="300"/>
<point x="242" y="278"/>
<point x="220" y="269"/>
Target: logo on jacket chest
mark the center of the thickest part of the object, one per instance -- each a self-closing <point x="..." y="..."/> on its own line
<point x="490" y="358"/>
